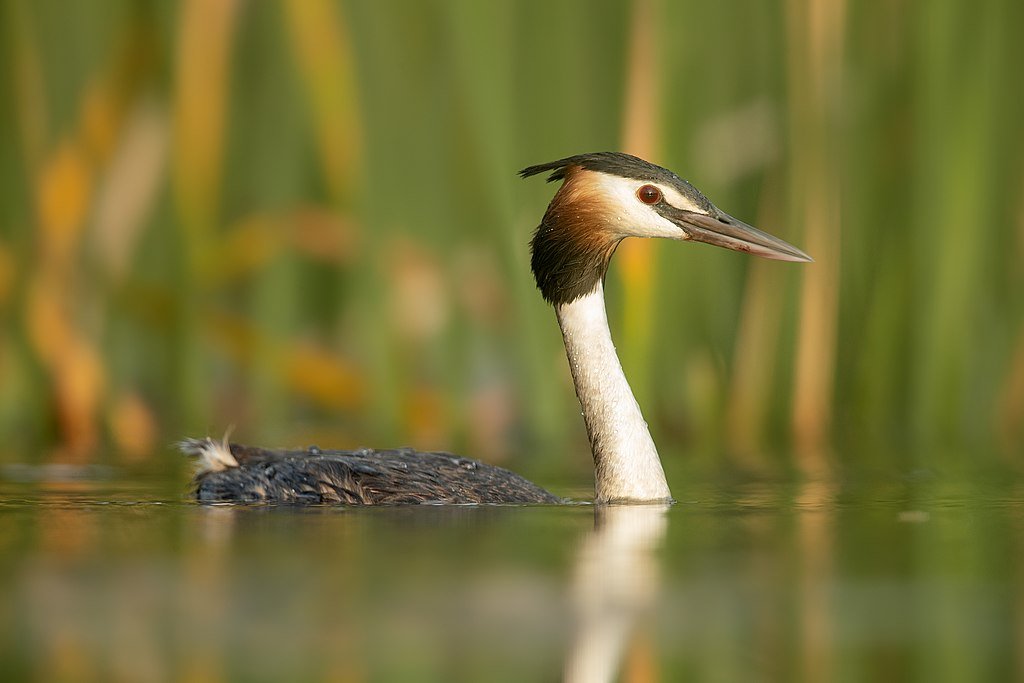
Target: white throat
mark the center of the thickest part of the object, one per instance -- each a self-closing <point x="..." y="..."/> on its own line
<point x="626" y="462"/>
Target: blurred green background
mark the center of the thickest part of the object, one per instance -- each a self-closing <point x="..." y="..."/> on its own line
<point x="303" y="219"/>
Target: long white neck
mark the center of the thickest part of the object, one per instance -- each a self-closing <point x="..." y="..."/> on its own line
<point x="626" y="463"/>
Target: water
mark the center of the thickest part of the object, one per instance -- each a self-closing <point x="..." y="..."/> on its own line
<point x="907" y="578"/>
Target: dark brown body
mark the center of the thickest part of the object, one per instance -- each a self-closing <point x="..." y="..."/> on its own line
<point x="363" y="477"/>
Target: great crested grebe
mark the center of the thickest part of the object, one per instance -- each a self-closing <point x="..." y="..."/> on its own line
<point x="604" y="198"/>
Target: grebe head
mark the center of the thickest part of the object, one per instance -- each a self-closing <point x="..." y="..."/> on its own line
<point x="608" y="196"/>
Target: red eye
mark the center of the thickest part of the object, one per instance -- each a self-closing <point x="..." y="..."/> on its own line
<point x="649" y="194"/>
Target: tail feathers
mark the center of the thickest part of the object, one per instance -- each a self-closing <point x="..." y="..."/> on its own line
<point x="210" y="455"/>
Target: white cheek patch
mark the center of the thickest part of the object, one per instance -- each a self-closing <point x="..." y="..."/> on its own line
<point x="631" y="216"/>
<point x="678" y="200"/>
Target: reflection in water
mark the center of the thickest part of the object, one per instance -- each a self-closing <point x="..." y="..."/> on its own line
<point x="800" y="581"/>
<point x="206" y="570"/>
<point x="815" y="553"/>
<point x="617" y="577"/>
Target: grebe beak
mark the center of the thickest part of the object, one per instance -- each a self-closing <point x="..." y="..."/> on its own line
<point x="722" y="230"/>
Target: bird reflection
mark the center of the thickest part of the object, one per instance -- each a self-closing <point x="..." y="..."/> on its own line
<point x="612" y="590"/>
<point x="617" y="577"/>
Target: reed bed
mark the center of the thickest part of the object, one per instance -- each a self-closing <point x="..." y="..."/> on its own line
<point x="302" y="219"/>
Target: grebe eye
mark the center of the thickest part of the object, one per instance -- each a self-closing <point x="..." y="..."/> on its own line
<point x="649" y="194"/>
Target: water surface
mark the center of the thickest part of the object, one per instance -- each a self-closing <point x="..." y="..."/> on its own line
<point x="903" y="578"/>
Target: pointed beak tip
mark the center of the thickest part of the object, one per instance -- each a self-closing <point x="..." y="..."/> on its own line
<point x="802" y="258"/>
<point x="786" y="256"/>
